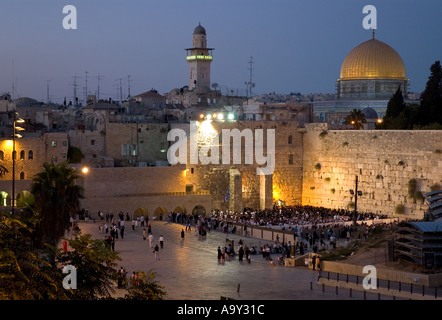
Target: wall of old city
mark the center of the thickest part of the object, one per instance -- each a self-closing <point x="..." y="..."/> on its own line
<point x="130" y="188"/>
<point x="253" y="192"/>
<point x="384" y="160"/>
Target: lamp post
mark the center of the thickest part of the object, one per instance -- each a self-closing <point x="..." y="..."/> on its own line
<point x="356" y="193"/>
<point x="15" y="135"/>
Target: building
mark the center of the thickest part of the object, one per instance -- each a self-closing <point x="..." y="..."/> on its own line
<point x="370" y="74"/>
<point x="199" y="58"/>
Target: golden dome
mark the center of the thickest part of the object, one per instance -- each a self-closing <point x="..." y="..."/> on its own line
<point x="373" y="59"/>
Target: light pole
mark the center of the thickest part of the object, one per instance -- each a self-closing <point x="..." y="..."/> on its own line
<point x="356" y="194"/>
<point x="15" y="135"/>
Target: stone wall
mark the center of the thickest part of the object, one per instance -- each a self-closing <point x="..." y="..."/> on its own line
<point x="130" y="188"/>
<point x="287" y="175"/>
<point x="384" y="160"/>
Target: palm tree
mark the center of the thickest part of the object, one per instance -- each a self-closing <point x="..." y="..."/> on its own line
<point x="57" y="198"/>
<point x="356" y="118"/>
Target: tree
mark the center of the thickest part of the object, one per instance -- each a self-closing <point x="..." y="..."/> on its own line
<point x="431" y="99"/>
<point x="355" y="118"/>
<point x="24" y="273"/>
<point x="57" y="198"/>
<point x="146" y="288"/>
<point x="95" y="265"/>
<point x="396" y="105"/>
<point x="399" y="115"/>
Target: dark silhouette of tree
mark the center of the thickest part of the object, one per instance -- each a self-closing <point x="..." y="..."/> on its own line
<point x="24" y="273"/>
<point x="356" y="119"/>
<point x="96" y="267"/>
<point x="396" y="105"/>
<point x="431" y="98"/>
<point x="399" y="115"/>
<point x="57" y="199"/>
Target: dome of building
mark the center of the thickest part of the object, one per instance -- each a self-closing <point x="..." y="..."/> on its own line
<point x="369" y="113"/>
<point x="373" y="59"/>
<point x="199" y="30"/>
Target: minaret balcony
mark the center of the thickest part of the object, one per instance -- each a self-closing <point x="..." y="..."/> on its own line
<point x="199" y="57"/>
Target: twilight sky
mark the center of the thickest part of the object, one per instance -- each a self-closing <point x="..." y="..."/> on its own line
<point x="296" y="45"/>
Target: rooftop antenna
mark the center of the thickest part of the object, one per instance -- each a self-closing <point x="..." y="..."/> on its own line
<point x="373" y="33"/>
<point x="86" y="87"/>
<point x="250" y="84"/>
<point x="120" y="89"/>
<point x="47" y="91"/>
<point x="98" y="89"/>
<point x="128" y="87"/>
<point x="75" y="90"/>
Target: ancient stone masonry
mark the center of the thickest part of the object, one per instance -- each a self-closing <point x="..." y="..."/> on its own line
<point x="386" y="163"/>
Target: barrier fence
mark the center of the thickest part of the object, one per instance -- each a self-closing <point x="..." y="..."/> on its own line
<point x="383" y="287"/>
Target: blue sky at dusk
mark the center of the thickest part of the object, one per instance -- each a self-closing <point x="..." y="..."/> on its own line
<point x="297" y="46"/>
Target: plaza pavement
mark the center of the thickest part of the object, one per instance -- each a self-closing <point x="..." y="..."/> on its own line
<point x="189" y="270"/>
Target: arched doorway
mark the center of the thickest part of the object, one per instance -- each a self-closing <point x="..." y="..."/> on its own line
<point x="140" y="212"/>
<point x="199" y="210"/>
<point x="180" y="209"/>
<point x="3" y="198"/>
<point x="159" y="213"/>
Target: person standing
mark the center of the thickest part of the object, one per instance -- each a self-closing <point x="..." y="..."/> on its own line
<point x="144" y="234"/>
<point x="182" y="234"/>
<point x="151" y="240"/>
<point x="241" y="253"/>
<point x="156" y="251"/>
<point x="220" y="254"/>
<point x="161" y="241"/>
<point x="122" y="232"/>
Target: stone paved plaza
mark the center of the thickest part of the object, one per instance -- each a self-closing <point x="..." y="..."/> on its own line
<point x="189" y="269"/>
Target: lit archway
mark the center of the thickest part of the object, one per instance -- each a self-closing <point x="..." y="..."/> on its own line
<point x="140" y="212"/>
<point x="199" y="210"/>
<point x="180" y="209"/>
<point x="3" y="198"/>
<point x="160" y="212"/>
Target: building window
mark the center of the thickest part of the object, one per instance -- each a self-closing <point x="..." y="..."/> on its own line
<point x="2" y="155"/>
<point x="290" y="158"/>
<point x="22" y="155"/>
<point x="30" y="155"/>
<point x="22" y="176"/>
<point x="54" y="143"/>
<point x="191" y="170"/>
<point x="290" y="139"/>
<point x="65" y="143"/>
<point x="92" y="142"/>
<point x="129" y="150"/>
<point x="54" y="158"/>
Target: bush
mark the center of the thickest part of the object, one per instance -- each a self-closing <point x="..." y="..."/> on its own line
<point x="400" y="209"/>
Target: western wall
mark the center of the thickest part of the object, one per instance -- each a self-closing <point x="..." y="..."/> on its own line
<point x="394" y="168"/>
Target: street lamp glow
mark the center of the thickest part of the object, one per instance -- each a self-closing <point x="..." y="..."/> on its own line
<point x="230" y="116"/>
<point x="85" y="170"/>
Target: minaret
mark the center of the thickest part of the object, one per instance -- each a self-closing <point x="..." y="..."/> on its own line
<point x="199" y="58"/>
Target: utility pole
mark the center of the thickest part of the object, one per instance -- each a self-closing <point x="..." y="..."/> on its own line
<point x="356" y="193"/>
